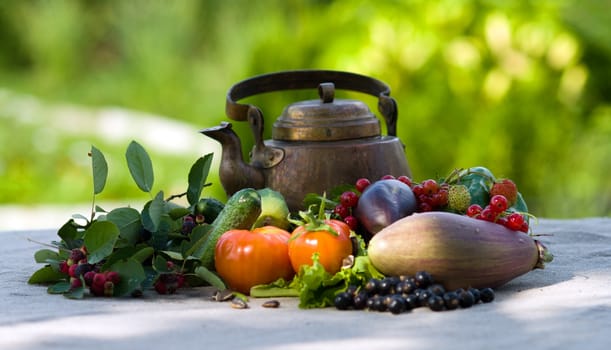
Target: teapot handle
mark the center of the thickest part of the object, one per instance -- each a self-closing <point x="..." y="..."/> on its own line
<point x="309" y="79"/>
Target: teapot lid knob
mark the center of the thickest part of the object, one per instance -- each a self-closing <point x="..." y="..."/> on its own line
<point x="326" y="91"/>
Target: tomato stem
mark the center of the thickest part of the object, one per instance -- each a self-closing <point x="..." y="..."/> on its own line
<point x="313" y="223"/>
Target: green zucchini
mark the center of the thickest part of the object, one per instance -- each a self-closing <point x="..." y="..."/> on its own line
<point x="240" y="212"/>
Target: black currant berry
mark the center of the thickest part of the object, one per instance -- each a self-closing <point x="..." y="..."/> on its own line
<point x="476" y="295"/>
<point x="437" y="289"/>
<point x="397" y="305"/>
<point x="451" y="300"/>
<point x="343" y="301"/>
<point x="386" y="286"/>
<point x="423" y="279"/>
<point x="412" y="301"/>
<point x="360" y="300"/>
<point x="424" y="296"/>
<point x="466" y="299"/>
<point x="486" y="295"/>
<point x="372" y="286"/>
<point x="378" y="304"/>
<point x="436" y="303"/>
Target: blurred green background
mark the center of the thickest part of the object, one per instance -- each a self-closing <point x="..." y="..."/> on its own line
<point x="521" y="87"/>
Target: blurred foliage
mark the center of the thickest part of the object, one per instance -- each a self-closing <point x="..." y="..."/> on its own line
<point x="521" y="87"/>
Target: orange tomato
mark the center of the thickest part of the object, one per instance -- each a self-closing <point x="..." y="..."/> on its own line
<point x="246" y="258"/>
<point x="331" y="248"/>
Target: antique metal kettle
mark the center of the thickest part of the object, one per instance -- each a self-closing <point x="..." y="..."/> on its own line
<point x="316" y="144"/>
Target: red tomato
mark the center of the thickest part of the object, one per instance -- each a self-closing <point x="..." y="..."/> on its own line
<point x="331" y="249"/>
<point x="247" y="258"/>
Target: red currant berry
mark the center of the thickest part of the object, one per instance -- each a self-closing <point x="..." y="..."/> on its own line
<point x="63" y="267"/>
<point x="515" y="221"/>
<point x="418" y="190"/>
<point x="99" y="279"/>
<point x="88" y="276"/>
<point x="474" y="210"/>
<point x="72" y="270"/>
<point x="488" y="214"/>
<point x="387" y="177"/>
<point x="524" y="227"/>
<point x="180" y="280"/>
<point x="406" y="180"/>
<point x="362" y="184"/>
<point x="77" y="255"/>
<point x="430" y="186"/>
<point x="113" y="276"/>
<point x="440" y="198"/>
<point x="502" y="221"/>
<point x="352" y="222"/>
<point x="349" y="199"/>
<point x="341" y="211"/>
<point x="424" y="206"/>
<point x="75" y="282"/>
<point x="498" y="203"/>
<point x="161" y="287"/>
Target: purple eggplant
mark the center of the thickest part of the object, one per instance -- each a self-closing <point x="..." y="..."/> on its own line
<point x="384" y="202"/>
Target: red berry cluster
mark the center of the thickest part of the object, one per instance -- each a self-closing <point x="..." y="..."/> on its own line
<point x="496" y="211"/>
<point x="431" y="195"/>
<point x="347" y="202"/>
<point x="169" y="282"/>
<point x="81" y="271"/>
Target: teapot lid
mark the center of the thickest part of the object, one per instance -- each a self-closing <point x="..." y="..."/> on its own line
<point x="325" y="119"/>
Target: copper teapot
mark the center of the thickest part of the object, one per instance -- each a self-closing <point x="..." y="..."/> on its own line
<point x="316" y="145"/>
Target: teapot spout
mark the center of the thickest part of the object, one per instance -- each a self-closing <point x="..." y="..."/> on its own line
<point x="234" y="173"/>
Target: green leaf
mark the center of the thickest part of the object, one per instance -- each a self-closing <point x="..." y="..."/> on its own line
<point x="173" y="255"/>
<point x="132" y="275"/>
<point x="160" y="264"/>
<point x="178" y="212"/>
<point x="143" y="254"/>
<point x="197" y="178"/>
<point x="139" y="253"/>
<point x="197" y="238"/>
<point x="210" y="277"/>
<point x="70" y="235"/>
<point x="478" y="180"/>
<point x="152" y="212"/>
<point x="46" y="255"/>
<point x="100" y="170"/>
<point x="46" y="274"/>
<point x="59" y="288"/>
<point x="159" y="238"/>
<point x="128" y="222"/>
<point x="317" y="288"/>
<point x="140" y="166"/>
<point x="278" y="288"/>
<point x="75" y="293"/>
<point x="100" y="240"/>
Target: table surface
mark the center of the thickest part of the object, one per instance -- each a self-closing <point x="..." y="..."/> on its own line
<point x="567" y="305"/>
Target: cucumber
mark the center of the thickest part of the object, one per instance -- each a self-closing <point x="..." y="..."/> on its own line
<point x="210" y="208"/>
<point x="240" y="212"/>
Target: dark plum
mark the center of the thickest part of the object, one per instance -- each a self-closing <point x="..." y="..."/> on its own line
<point x="383" y="203"/>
